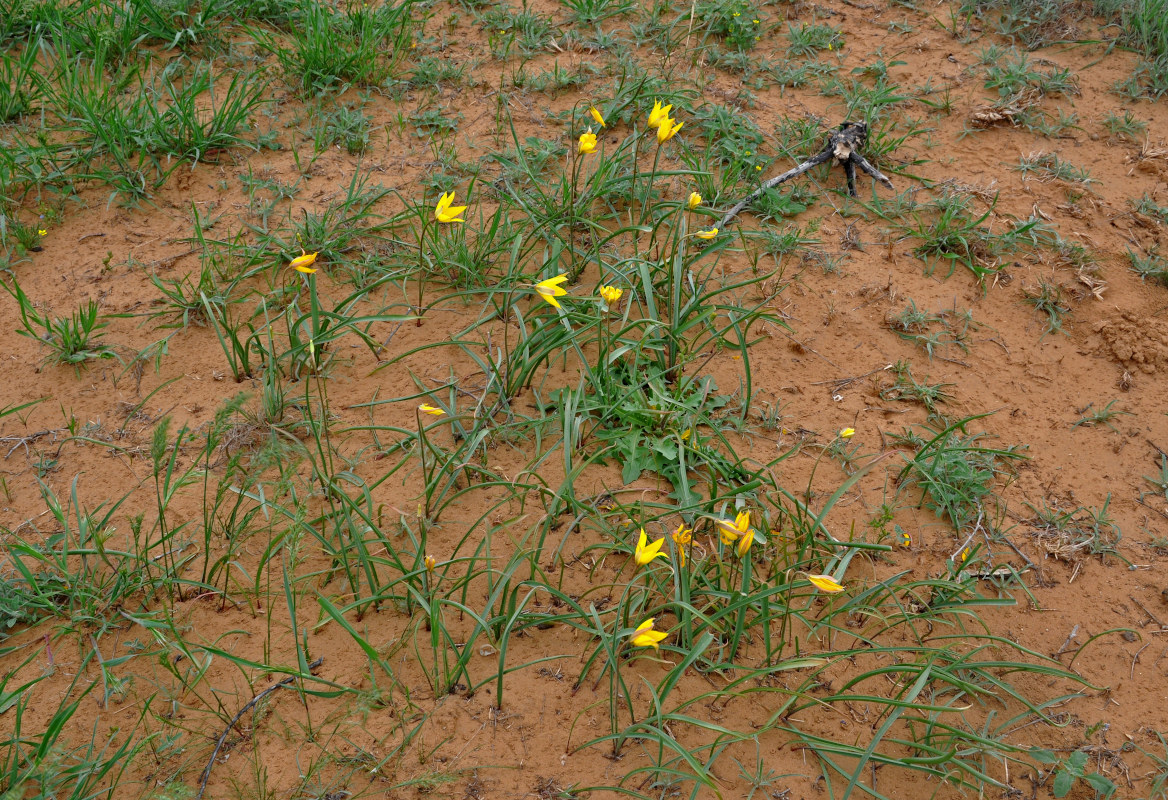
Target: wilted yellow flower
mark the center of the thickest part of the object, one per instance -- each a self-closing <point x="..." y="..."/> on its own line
<point x="682" y="536"/>
<point x="847" y="433"/>
<point x="587" y="142"/>
<point x="433" y="411"/>
<point x="745" y="543"/>
<point x="645" y="636"/>
<point x="550" y="289"/>
<point x="445" y="212"/>
<point x="667" y="130"/>
<point x="729" y="532"/>
<point x="825" y="583"/>
<point x="430" y="563"/>
<point x="610" y="294"/>
<point x="694" y="201"/>
<point x="646" y="552"/>
<point x="303" y="262"/>
<point x="594" y="112"/>
<point x="659" y="113"/>
<point x="710" y="234"/>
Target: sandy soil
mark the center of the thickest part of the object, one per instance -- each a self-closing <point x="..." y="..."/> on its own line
<point x="833" y="368"/>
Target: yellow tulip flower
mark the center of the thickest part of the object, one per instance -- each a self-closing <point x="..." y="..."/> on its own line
<point x="610" y="294"/>
<point x="596" y="115"/>
<point x="847" y="433"/>
<point x="659" y="113"/>
<point x="667" y="130"/>
<point x="550" y="289"/>
<point x="729" y="532"/>
<point x="303" y="262"/>
<point x="645" y="636"/>
<point x="825" y="583"/>
<point x="645" y="552"/>
<point x="445" y="212"/>
<point x="710" y="234"/>
<point x="587" y="142"/>
<point x="694" y="201"/>
<point x="433" y="411"/>
<point x="745" y="543"/>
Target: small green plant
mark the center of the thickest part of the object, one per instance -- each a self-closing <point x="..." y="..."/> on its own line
<point x="1148" y="207"/>
<point x="739" y="23"/>
<point x="1071" y="769"/>
<point x="1103" y="416"/>
<point x="805" y="41"/>
<point x="1015" y="75"/>
<point x="1126" y="127"/>
<point x="907" y="388"/>
<point x="1149" y="265"/>
<point x="1050" y="300"/>
<point x="1049" y="167"/>
<point x="72" y="339"/>
<point x="955" y="473"/>
<point x="332" y="49"/>
<point x="1159" y="481"/>
<point x="949" y="232"/>
<point x="342" y="126"/>
<point x="1069" y="535"/>
<point x="433" y="71"/>
<point x="590" y="12"/>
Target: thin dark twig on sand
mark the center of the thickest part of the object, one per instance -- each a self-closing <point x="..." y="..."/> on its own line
<point x="250" y="705"/>
<point x="844" y="146"/>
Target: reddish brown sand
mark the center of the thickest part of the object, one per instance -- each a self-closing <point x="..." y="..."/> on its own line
<point x="824" y="374"/>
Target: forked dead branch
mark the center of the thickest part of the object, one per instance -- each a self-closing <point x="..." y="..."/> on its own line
<point x="843" y="145"/>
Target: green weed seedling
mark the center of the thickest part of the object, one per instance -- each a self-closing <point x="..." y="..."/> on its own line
<point x="1049" y="167"/>
<point x="955" y="473"/>
<point x="1127" y="127"/>
<point x="1072" y="769"/>
<point x="1150" y="265"/>
<point x="1148" y="207"/>
<point x="345" y="126"/>
<point x="1011" y="76"/>
<point x="1103" y="416"/>
<point x="1050" y="300"/>
<point x="71" y="340"/>
<point x="906" y="388"/>
<point x="810" y="40"/>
